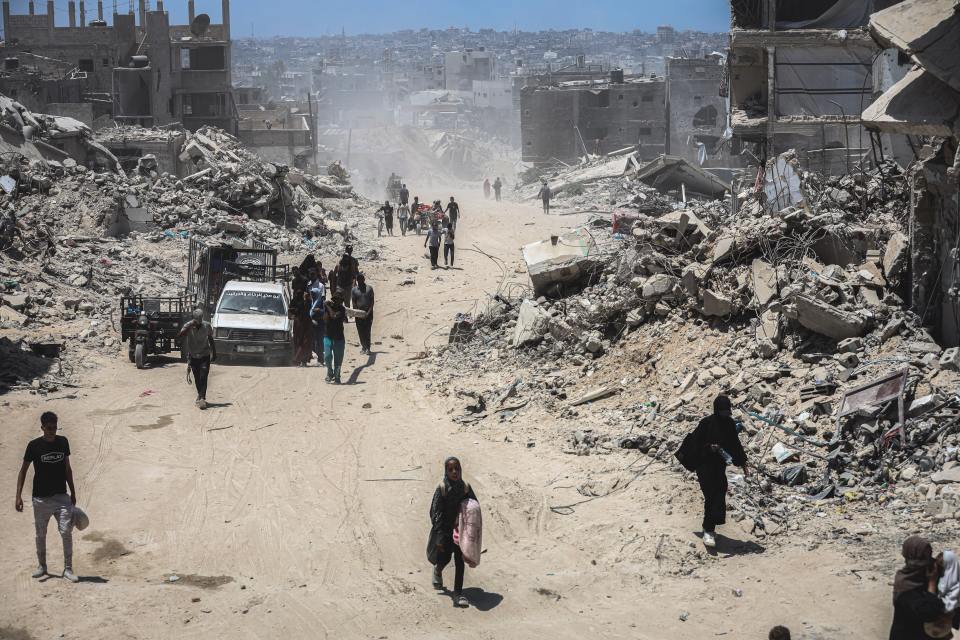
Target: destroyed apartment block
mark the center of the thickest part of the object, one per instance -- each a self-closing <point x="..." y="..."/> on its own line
<point x="800" y="75"/>
<point x="926" y="102"/>
<point x="140" y="69"/>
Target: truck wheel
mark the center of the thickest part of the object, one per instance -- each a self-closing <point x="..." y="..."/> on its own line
<point x="140" y="357"/>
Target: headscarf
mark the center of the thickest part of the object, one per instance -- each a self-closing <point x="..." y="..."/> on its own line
<point x="449" y="484"/>
<point x="918" y="555"/>
<point x="949" y="586"/>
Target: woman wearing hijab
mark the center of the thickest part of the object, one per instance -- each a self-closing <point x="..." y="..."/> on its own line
<point x="915" y="600"/>
<point x="302" y="328"/>
<point x="444" y="511"/>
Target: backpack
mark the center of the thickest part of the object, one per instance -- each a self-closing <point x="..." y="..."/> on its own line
<point x="688" y="454"/>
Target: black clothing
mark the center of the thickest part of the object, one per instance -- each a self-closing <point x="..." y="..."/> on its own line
<point x="453" y="209"/>
<point x="713" y="483"/>
<point x="49" y="465"/>
<point x="721" y="431"/>
<point x="711" y="467"/>
<point x="434" y="254"/>
<point x="443" y="559"/>
<point x="201" y="371"/>
<point x="910" y="610"/>
<point x="334" y="317"/>
<point x="299" y="284"/>
<point x="404" y="195"/>
<point x="448" y="254"/>
<point x="445" y="509"/>
<point x="364" y="325"/>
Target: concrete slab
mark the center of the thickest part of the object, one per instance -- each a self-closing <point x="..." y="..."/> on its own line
<point x="564" y="258"/>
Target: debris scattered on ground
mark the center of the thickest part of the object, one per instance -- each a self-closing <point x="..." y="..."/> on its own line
<point x="788" y="308"/>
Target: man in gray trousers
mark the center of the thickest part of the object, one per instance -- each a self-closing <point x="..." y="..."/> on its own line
<point x="50" y="456"/>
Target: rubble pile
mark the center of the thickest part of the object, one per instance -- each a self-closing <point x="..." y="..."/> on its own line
<point x="230" y="189"/>
<point x="84" y="238"/>
<point x="794" y="309"/>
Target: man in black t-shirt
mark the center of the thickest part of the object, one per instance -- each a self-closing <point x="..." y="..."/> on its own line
<point x="50" y="457"/>
<point x="453" y="210"/>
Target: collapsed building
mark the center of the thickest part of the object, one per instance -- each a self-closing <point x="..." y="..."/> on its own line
<point x="143" y="72"/>
<point x="626" y="332"/>
<point x="924" y="107"/>
<point x="800" y="74"/>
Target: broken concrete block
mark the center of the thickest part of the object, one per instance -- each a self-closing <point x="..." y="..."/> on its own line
<point x="923" y="404"/>
<point x="850" y="345"/>
<point x="532" y="323"/>
<point x="946" y="476"/>
<point x="658" y="285"/>
<point x="950" y="359"/>
<point x="715" y="304"/>
<point x="564" y="258"/>
<point x="635" y="317"/>
<point x="16" y="300"/>
<point x="895" y="254"/>
<point x="924" y="347"/>
<point x="8" y="314"/>
<point x="891" y="329"/>
<point x="764" y="281"/>
<point x="848" y="360"/>
<point x="693" y="274"/>
<point x="819" y="317"/>
<point x="229" y="226"/>
<point x="559" y="329"/>
<point x="723" y="247"/>
<point x="595" y="394"/>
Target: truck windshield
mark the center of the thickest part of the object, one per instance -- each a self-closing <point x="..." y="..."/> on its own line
<point x="261" y="302"/>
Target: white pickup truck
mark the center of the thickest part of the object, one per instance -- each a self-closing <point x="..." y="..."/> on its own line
<point x="251" y="321"/>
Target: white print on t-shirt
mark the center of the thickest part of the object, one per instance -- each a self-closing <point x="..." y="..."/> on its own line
<point x="53" y="456"/>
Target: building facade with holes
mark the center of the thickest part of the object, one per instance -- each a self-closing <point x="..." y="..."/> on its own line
<point x="139" y="69"/>
<point x="696" y="112"/>
<point x="571" y="119"/>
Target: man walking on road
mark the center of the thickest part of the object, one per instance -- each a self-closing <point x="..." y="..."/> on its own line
<point x="453" y="210"/>
<point x="715" y="444"/>
<point x="497" y="186"/>
<point x="52" y="474"/>
<point x="544" y="194"/>
<point x="404" y="194"/>
<point x="197" y="339"/>
<point x="387" y="211"/>
<point x="433" y="239"/>
<point x="363" y="299"/>
<point x="334" y="342"/>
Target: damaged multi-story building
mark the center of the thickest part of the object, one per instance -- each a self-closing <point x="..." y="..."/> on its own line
<point x="138" y="70"/>
<point x="801" y="73"/>
<point x="924" y="107"/>
<point x="575" y="118"/>
<point x="696" y="112"/>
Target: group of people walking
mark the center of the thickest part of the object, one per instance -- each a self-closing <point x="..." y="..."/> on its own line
<point x="440" y="223"/>
<point x="318" y="322"/>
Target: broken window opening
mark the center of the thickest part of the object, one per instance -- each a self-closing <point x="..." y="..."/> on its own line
<point x="705" y="117"/>
<point x="645" y="131"/>
<point x="86" y="65"/>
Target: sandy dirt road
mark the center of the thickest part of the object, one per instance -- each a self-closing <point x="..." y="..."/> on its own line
<point x="296" y="509"/>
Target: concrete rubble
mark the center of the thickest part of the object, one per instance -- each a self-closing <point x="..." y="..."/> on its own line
<point x="784" y="309"/>
<point x="87" y="237"/>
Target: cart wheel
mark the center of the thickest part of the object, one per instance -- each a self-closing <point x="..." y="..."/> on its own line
<point x="140" y="357"/>
<point x="131" y="355"/>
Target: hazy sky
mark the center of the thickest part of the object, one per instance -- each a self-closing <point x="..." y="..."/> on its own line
<point x="320" y="17"/>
